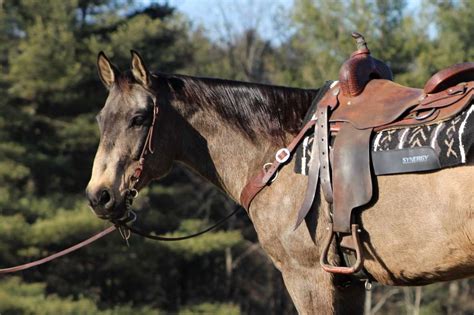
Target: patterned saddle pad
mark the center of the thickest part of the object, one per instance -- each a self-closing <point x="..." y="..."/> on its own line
<point x="413" y="149"/>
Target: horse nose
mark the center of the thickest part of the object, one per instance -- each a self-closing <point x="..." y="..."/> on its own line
<point x="100" y="198"/>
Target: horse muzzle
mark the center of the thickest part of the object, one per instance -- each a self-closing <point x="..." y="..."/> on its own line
<point x="104" y="204"/>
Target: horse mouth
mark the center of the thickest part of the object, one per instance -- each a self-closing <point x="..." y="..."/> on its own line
<point x="117" y="213"/>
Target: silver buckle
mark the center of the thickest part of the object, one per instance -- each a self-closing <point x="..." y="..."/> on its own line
<point x="133" y="193"/>
<point x="134" y="216"/>
<point x="283" y="159"/>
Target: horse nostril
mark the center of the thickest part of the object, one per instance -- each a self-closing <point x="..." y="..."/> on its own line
<point x="92" y="197"/>
<point x="101" y="199"/>
<point x="104" y="197"/>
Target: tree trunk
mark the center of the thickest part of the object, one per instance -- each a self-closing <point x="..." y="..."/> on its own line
<point x="228" y="270"/>
<point x="368" y="303"/>
<point x="418" y="296"/>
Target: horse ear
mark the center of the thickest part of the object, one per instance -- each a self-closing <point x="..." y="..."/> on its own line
<point x="139" y="70"/>
<point x="108" y="72"/>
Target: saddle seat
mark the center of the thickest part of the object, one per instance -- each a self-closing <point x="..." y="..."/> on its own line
<point x="368" y="98"/>
<point x="380" y="103"/>
<point x="385" y="104"/>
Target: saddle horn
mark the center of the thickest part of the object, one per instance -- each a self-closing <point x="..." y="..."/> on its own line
<point x="360" y="68"/>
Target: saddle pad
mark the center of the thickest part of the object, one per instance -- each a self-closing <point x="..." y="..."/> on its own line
<point x="412" y="149"/>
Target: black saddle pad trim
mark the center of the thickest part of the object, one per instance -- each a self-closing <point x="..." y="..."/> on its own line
<point x="408" y="160"/>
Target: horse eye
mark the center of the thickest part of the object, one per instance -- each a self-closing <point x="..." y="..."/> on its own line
<point x="137" y="121"/>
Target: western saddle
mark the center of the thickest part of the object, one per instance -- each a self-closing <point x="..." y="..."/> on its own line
<point x="364" y="100"/>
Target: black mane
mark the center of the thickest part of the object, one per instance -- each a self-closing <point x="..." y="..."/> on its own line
<point x="253" y="108"/>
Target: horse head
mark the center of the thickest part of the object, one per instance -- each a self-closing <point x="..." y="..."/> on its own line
<point x="127" y="124"/>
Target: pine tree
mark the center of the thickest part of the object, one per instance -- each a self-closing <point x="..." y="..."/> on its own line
<point x="49" y="96"/>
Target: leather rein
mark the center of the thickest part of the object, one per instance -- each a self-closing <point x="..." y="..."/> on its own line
<point x="123" y="225"/>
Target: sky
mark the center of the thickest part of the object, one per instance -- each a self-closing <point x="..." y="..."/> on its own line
<point x="240" y="14"/>
<point x="244" y="14"/>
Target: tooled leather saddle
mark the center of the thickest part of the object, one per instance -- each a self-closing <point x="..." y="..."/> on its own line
<point x="364" y="100"/>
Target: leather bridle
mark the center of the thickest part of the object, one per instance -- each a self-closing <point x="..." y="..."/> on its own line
<point x="147" y="149"/>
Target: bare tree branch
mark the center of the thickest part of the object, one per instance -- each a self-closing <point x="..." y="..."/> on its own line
<point x="418" y="295"/>
<point x="383" y="300"/>
<point x="252" y="248"/>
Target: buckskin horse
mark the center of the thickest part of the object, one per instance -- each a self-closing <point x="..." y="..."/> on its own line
<point x="417" y="229"/>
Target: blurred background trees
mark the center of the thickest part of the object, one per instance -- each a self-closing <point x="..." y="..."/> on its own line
<point x="50" y="94"/>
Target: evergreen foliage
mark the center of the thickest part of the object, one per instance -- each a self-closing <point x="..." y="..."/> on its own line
<point x="50" y="94"/>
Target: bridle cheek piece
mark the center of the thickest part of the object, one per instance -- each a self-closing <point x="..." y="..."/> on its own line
<point x="147" y="149"/>
<point x="130" y="216"/>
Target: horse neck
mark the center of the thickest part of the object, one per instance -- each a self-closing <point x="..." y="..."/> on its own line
<point x="227" y="152"/>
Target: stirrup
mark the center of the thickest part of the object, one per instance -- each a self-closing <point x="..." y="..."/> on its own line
<point x="340" y="269"/>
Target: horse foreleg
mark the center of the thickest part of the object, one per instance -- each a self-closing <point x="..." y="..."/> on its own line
<point x="350" y="299"/>
<point x="313" y="291"/>
<point x="310" y="289"/>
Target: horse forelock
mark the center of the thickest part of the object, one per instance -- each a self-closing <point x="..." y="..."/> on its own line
<point x="125" y="81"/>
